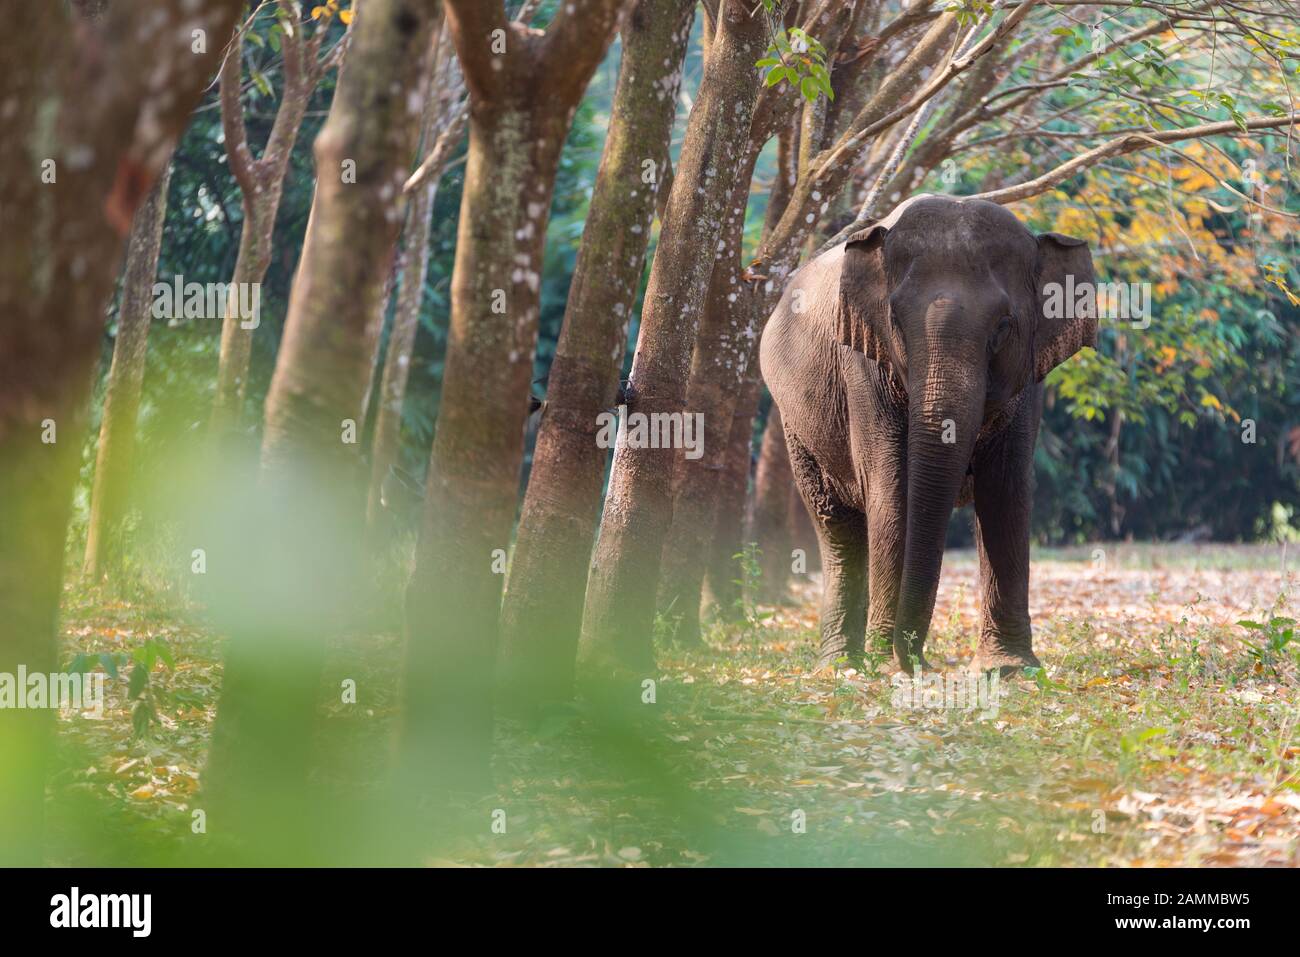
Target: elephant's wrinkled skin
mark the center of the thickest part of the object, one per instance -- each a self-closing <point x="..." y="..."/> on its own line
<point x="907" y="364"/>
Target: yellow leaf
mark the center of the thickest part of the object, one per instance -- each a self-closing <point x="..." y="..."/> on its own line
<point x="345" y="17"/>
<point x="318" y="12"/>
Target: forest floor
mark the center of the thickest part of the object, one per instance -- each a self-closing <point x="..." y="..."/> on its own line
<point x="1160" y="732"/>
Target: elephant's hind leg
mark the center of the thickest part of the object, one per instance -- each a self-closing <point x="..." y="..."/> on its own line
<point x="842" y="536"/>
<point x="843" y="541"/>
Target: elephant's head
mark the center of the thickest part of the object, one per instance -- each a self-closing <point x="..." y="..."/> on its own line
<point x="948" y="296"/>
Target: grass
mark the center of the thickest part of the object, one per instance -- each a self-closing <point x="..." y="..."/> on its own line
<point x="1161" y="732"/>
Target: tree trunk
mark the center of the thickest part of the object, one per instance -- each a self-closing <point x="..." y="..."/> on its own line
<point x="439" y="127"/>
<point x="728" y="336"/>
<point x="251" y="264"/>
<point x="307" y="518"/>
<point x="542" y="611"/>
<point x="401" y="341"/>
<point x="381" y="320"/>
<point x="771" y="527"/>
<point x="115" y="453"/>
<point x="725" y="355"/>
<point x="638" y="507"/>
<point x="521" y="104"/>
<point x="261" y="183"/>
<point x="79" y="157"/>
<point x="733" y="521"/>
<point x="719" y="365"/>
<point x="722" y="592"/>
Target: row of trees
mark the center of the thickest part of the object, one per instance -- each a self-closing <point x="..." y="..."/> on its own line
<point x="808" y="118"/>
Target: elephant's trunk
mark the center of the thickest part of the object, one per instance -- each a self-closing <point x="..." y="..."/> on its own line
<point x="945" y="411"/>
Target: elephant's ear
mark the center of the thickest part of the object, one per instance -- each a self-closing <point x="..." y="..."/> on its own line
<point x="864" y="293"/>
<point x="1064" y="270"/>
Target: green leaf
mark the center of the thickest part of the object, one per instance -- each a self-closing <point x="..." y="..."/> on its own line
<point x="139" y="681"/>
<point x="110" y="664"/>
<point x="145" y="655"/>
<point x="164" y="653"/>
<point x="141" y="716"/>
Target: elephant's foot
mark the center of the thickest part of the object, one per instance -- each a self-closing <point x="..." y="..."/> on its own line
<point x="1008" y="657"/>
<point x="915" y="661"/>
<point x="909" y="656"/>
<point x="838" y="656"/>
<point x="880" y="640"/>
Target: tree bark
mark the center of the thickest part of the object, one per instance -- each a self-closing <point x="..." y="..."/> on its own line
<point x="261" y="183"/>
<point x="443" y="122"/>
<point x="397" y="360"/>
<point x="734" y="508"/>
<point x="84" y="108"/>
<point x="729" y="525"/>
<point x="740" y="302"/>
<point x="116" y="450"/>
<point x="542" y="611"/>
<point x="307" y="515"/>
<point x="718" y="366"/>
<point x="522" y="101"/>
<point x="620" y="604"/>
<point x="725" y="356"/>
<point x="771" y="527"/>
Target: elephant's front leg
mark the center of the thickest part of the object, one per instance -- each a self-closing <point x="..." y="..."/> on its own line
<point x="1003" y="497"/>
<point x="886" y="527"/>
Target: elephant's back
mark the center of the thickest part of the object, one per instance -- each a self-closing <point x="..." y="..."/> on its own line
<point x="803" y="323"/>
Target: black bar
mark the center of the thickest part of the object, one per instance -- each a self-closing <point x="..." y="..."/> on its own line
<point x="211" y="907"/>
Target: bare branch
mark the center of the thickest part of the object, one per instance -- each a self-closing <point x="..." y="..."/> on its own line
<point x="1128" y="143"/>
<point x="242" y="164"/>
<point x="436" y="159"/>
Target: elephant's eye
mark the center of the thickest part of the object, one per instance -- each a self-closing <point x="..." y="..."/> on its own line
<point x="1000" y="334"/>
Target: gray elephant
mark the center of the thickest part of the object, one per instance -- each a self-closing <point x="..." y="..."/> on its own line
<point x="907" y="363"/>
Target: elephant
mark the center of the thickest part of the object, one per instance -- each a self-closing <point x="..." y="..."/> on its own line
<point x="907" y="363"/>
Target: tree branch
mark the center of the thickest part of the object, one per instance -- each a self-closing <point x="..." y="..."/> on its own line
<point x="575" y="43"/>
<point x="473" y="23"/>
<point x="240" y="158"/>
<point x="1122" y="145"/>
